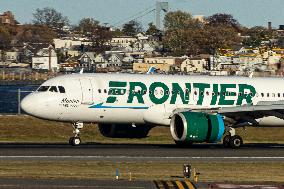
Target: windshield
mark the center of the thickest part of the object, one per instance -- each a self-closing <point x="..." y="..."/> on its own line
<point x="43" y="88"/>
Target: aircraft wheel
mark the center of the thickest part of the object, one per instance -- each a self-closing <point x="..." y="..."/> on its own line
<point x="236" y="141"/>
<point x="75" y="141"/>
<point x="226" y="141"/>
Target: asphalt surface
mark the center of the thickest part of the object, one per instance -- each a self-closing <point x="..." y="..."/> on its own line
<point x="78" y="184"/>
<point x="141" y="152"/>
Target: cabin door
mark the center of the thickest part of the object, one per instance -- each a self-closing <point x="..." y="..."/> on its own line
<point x="87" y="91"/>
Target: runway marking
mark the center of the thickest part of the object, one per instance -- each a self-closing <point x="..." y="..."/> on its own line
<point x="139" y="157"/>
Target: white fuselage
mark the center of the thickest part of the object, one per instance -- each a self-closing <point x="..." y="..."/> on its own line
<point x="140" y="99"/>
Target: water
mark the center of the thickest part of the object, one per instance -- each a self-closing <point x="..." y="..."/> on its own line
<point x="9" y="96"/>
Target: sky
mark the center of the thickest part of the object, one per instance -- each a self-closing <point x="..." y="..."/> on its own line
<point x="116" y="12"/>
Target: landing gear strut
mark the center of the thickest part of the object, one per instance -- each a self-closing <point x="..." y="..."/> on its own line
<point x="75" y="141"/>
<point x="232" y="140"/>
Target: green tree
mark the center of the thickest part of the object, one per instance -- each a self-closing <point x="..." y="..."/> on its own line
<point x="5" y="38"/>
<point x="180" y="20"/>
<point x="87" y="25"/>
<point x="223" y="19"/>
<point x="256" y="35"/>
<point x="152" y="29"/>
<point x="215" y="37"/>
<point x="100" y="38"/>
<point x="131" y="28"/>
<point x="182" y="33"/>
<point x="49" y="17"/>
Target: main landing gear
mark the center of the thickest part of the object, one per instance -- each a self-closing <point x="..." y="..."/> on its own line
<point x="75" y="141"/>
<point x="232" y="140"/>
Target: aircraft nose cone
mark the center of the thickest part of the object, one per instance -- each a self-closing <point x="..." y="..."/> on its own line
<point x="27" y="105"/>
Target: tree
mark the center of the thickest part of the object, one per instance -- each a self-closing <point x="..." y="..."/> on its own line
<point x="182" y="33"/>
<point x="131" y="28"/>
<point x="223" y="19"/>
<point x="152" y="29"/>
<point x="215" y="37"/>
<point x="180" y="20"/>
<point x="87" y="25"/>
<point x="49" y="17"/>
<point x="100" y="38"/>
<point x="5" y="38"/>
<point x="256" y="35"/>
<point x="36" y="34"/>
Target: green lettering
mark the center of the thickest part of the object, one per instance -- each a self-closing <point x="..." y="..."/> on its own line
<point x="246" y="92"/>
<point x="115" y="89"/>
<point x="214" y="95"/>
<point x="152" y="96"/>
<point x="224" y="93"/>
<point x="136" y="93"/>
<point x="201" y="87"/>
<point x="177" y="90"/>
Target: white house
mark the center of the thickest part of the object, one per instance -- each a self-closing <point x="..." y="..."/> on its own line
<point x="123" y="41"/>
<point x="45" y="59"/>
<point x="193" y="65"/>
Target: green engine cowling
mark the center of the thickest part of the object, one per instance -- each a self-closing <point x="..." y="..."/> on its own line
<point x="197" y="127"/>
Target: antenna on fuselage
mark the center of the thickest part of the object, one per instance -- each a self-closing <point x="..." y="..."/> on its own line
<point x="81" y="71"/>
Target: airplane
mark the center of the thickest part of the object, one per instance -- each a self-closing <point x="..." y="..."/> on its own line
<point x="197" y="109"/>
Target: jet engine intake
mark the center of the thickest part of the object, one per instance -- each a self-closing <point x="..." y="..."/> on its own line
<point x="197" y="127"/>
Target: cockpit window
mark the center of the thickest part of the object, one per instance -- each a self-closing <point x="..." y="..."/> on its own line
<point x="43" y="88"/>
<point x="61" y="89"/>
<point x="53" y="89"/>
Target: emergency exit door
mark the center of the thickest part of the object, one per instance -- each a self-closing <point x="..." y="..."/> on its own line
<point x="87" y="91"/>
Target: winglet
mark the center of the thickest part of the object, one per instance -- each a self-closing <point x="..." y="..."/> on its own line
<point x="151" y="70"/>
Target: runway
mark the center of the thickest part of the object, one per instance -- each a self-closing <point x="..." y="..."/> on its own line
<point x="141" y="152"/>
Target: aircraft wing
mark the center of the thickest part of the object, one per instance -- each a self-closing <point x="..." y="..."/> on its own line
<point x="240" y="116"/>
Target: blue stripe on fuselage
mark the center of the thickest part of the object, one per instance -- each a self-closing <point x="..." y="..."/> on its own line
<point x="124" y="107"/>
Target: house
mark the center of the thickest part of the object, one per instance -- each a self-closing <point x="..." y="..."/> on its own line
<point x="193" y="65"/>
<point x="65" y="43"/>
<point x="164" y="64"/>
<point x="68" y="43"/>
<point x="87" y="61"/>
<point x="8" y="18"/>
<point x="12" y="56"/>
<point x="123" y="41"/>
<point x="45" y="59"/>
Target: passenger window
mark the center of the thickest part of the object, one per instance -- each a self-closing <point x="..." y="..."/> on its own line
<point x="99" y="90"/>
<point x="53" y="89"/>
<point x="278" y="94"/>
<point x="267" y="94"/>
<point x="43" y="88"/>
<point x="105" y="91"/>
<point x="61" y="89"/>
<point x="262" y="94"/>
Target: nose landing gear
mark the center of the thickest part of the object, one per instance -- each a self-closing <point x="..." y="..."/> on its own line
<point x="76" y="140"/>
<point x="232" y="140"/>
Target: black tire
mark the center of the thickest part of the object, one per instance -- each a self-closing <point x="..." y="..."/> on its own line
<point x="70" y="140"/>
<point x="226" y="141"/>
<point x="236" y="141"/>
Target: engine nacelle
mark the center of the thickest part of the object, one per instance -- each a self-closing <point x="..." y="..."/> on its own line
<point x="197" y="127"/>
<point x="124" y="130"/>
